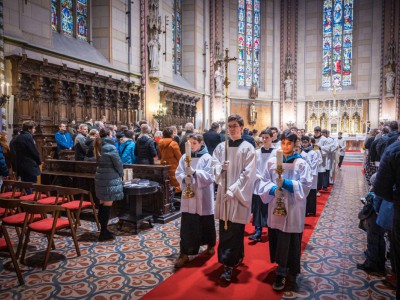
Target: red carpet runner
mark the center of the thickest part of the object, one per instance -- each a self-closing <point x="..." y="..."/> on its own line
<point x="253" y="279"/>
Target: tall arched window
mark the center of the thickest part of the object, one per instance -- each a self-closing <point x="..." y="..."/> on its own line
<point x="337" y="45"/>
<point x="70" y="17"/>
<point x="249" y="44"/>
<point x="177" y="37"/>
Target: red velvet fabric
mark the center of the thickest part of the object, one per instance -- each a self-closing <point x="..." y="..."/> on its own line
<point x="74" y="205"/>
<point x="3" y="244"/>
<point x="18" y="219"/>
<point x="48" y="200"/>
<point x="9" y="194"/>
<point x="2" y="211"/>
<point x="45" y="225"/>
<point x="31" y="197"/>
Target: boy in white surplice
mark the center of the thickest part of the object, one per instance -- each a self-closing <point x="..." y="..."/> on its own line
<point x="234" y="205"/>
<point x="285" y="232"/>
<point x="197" y="222"/>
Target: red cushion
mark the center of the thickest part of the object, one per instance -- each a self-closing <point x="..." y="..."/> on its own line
<point x="9" y="194"/>
<point x="3" y="243"/>
<point x="45" y="225"/>
<point x="74" y="205"/>
<point x="48" y="200"/>
<point x="31" y="197"/>
<point x="18" y="219"/>
<point x="2" y="211"/>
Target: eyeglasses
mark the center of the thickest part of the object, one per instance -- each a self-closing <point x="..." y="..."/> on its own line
<point x="233" y="126"/>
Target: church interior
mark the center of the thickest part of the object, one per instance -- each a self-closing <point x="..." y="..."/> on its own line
<point x="276" y="63"/>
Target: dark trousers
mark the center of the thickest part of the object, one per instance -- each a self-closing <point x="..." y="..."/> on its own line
<point x="341" y="157"/>
<point x="396" y="244"/>
<point x="376" y="246"/>
<point x="29" y="178"/>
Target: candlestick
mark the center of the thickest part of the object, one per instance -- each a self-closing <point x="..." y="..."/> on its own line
<point x="7" y="89"/>
<point x="279" y="158"/>
<point x="188" y="149"/>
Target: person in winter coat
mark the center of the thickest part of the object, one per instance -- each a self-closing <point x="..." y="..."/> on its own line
<point x="108" y="179"/>
<point x="127" y="148"/>
<point x="3" y="167"/>
<point x="145" y="149"/>
<point x="27" y="156"/>
<point x="197" y="222"/>
<point x="170" y="155"/>
<point x="89" y="156"/>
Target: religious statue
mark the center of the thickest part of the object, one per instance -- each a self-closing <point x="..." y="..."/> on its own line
<point x="153" y="46"/>
<point x="218" y="82"/>
<point x="252" y="113"/>
<point x="254" y="91"/>
<point x="288" y="87"/>
<point x="390" y="76"/>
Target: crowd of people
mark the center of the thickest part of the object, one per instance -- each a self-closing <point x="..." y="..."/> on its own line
<point x="243" y="172"/>
<point x="381" y="213"/>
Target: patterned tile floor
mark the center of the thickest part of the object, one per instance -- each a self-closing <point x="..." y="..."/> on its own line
<point x="132" y="265"/>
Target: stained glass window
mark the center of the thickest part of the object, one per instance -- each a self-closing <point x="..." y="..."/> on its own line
<point x="81" y="19"/>
<point x="249" y="46"/>
<point x="177" y="37"/>
<point x="337" y="48"/>
<point x="67" y="19"/>
<point x="70" y="17"/>
<point x="54" y="15"/>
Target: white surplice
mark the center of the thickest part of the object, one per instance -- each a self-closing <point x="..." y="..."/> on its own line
<point x="241" y="175"/>
<point x="202" y="184"/>
<point x="299" y="172"/>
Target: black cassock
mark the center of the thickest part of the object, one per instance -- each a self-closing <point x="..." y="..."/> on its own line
<point x="196" y="230"/>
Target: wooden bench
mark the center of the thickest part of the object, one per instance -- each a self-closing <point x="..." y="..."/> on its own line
<point x="81" y="174"/>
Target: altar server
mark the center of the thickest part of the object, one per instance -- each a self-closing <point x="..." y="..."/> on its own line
<point x="233" y="206"/>
<point x="285" y="232"/>
<point x="258" y="208"/>
<point x="197" y="222"/>
<point x="314" y="159"/>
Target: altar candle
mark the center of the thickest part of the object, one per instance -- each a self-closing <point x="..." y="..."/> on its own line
<point x="2" y="88"/>
<point x="7" y="89"/>
<point x="279" y="158"/>
<point x="188" y="149"/>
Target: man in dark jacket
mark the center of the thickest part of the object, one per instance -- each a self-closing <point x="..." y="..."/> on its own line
<point x="145" y="149"/>
<point x="27" y="156"/>
<point x="189" y="129"/>
<point x="387" y="186"/>
<point x="247" y="137"/>
<point x="212" y="138"/>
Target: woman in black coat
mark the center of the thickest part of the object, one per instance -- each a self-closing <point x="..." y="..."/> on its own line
<point x="108" y="178"/>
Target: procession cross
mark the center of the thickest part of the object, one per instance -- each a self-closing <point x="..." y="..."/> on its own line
<point x="226" y="61"/>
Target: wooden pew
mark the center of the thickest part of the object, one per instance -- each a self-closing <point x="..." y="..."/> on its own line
<point x="81" y="174"/>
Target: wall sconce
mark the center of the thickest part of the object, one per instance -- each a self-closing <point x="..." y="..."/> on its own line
<point x="159" y="114"/>
<point x="5" y="93"/>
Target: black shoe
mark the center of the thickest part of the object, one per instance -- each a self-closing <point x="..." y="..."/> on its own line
<point x="255" y="237"/>
<point x="227" y="275"/>
<point x="106" y="236"/>
<point x="279" y="283"/>
<point x="371" y="270"/>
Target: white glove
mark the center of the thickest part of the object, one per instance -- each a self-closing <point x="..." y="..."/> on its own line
<point x="225" y="165"/>
<point x="188" y="179"/>
<point x="278" y="193"/>
<point x="189" y="171"/>
<point x="228" y="196"/>
<point x="279" y="182"/>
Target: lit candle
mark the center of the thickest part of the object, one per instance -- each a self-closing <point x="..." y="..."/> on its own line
<point x="7" y="89"/>
<point x="188" y="149"/>
<point x="2" y="88"/>
<point x="279" y="158"/>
